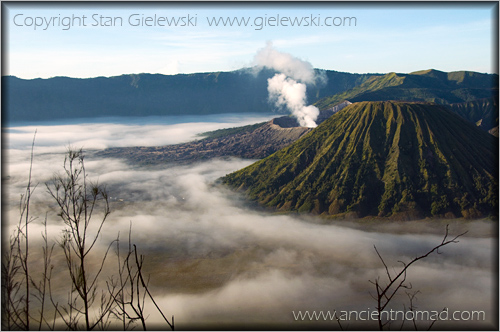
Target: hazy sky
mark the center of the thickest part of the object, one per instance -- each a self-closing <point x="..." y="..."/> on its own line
<point x="38" y="42"/>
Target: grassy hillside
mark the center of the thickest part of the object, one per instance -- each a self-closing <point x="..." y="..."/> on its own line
<point x="427" y="86"/>
<point x="391" y="159"/>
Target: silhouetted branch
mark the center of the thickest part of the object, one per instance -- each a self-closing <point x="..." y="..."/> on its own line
<point x="398" y="281"/>
<point x="147" y="290"/>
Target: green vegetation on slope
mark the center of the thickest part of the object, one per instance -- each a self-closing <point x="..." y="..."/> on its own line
<point x="427" y="86"/>
<point x="404" y="160"/>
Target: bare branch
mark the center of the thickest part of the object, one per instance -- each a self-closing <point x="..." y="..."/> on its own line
<point x="386" y="294"/>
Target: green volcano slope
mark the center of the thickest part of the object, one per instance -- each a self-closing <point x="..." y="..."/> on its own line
<point x="389" y="159"/>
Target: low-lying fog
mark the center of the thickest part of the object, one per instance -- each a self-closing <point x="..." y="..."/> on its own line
<point x="215" y="261"/>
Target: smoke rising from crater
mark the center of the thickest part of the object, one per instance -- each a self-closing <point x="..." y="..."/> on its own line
<point x="284" y="91"/>
<point x="288" y="88"/>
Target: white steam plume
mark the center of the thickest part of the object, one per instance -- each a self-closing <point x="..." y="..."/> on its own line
<point x="285" y="63"/>
<point x="284" y="91"/>
<point x="283" y="88"/>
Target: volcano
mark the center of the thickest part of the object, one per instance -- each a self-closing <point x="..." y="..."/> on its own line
<point x="388" y="159"/>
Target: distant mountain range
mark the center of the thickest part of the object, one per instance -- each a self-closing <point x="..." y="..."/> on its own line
<point x="239" y="91"/>
<point x="387" y="159"/>
<point x="427" y="85"/>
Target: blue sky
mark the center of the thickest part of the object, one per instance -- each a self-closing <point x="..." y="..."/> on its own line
<point x="387" y="37"/>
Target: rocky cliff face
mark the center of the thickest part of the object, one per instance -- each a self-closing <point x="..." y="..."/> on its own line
<point x="482" y="112"/>
<point x="325" y="114"/>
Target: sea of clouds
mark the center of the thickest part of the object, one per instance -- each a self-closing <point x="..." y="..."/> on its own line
<point x="216" y="261"/>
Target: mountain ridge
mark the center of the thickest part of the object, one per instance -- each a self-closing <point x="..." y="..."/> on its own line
<point x="240" y="91"/>
<point x="427" y="86"/>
